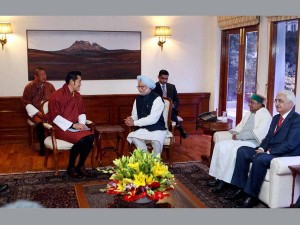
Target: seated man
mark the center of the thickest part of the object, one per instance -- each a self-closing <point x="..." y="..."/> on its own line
<point x="147" y="115"/>
<point x="35" y="93"/>
<point x="66" y="110"/>
<point x="283" y="139"/>
<point x="249" y="132"/>
<point x="165" y="89"/>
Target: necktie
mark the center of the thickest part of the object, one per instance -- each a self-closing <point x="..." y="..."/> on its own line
<point x="279" y="123"/>
<point x="164" y="90"/>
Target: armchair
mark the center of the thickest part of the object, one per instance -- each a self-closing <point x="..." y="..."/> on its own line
<point x="276" y="190"/>
<point x="56" y="145"/>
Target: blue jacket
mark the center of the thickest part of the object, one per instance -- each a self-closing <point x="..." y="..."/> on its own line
<point x="286" y="140"/>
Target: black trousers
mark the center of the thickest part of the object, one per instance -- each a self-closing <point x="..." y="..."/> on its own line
<point x="297" y="204"/>
<point x="40" y="131"/>
<point x="81" y="148"/>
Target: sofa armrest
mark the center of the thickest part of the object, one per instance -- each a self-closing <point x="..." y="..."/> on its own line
<point x="280" y="165"/>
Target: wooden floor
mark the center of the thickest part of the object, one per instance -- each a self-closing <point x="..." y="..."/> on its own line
<point x="19" y="158"/>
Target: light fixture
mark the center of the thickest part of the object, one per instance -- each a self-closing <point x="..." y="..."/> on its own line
<point x="162" y="32"/>
<point x="5" y="28"/>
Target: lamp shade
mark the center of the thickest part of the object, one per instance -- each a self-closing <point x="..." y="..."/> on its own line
<point x="162" y="31"/>
<point x="5" y="28"/>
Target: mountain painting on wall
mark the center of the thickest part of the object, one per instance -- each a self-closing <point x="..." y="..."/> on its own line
<point x="99" y="55"/>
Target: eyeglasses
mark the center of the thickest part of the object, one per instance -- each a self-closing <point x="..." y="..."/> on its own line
<point x="279" y="101"/>
<point x="142" y="87"/>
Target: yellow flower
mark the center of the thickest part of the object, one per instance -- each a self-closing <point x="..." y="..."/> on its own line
<point x="121" y="186"/>
<point x="159" y="169"/>
<point x="149" y="179"/>
<point x="127" y="181"/>
<point x="139" y="179"/>
<point x="133" y="173"/>
<point x="134" y="166"/>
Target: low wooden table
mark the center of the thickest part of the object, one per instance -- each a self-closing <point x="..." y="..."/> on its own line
<point x="89" y="196"/>
<point x="295" y="170"/>
<point x="103" y="130"/>
<point x="212" y="128"/>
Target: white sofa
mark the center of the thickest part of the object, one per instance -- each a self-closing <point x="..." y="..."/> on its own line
<point x="276" y="190"/>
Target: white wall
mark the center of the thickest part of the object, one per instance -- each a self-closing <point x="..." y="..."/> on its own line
<point x="189" y="54"/>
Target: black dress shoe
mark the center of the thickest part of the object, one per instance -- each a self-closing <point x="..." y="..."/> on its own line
<point x="219" y="187"/>
<point x="3" y="187"/>
<point x="184" y="135"/>
<point x="248" y="202"/>
<point x="72" y="173"/>
<point x="212" y="182"/>
<point x="82" y="171"/>
<point x="182" y="132"/>
<point x="235" y="195"/>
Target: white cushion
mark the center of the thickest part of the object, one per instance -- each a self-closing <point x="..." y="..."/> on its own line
<point x="30" y="122"/>
<point x="61" y="145"/>
<point x="179" y="119"/>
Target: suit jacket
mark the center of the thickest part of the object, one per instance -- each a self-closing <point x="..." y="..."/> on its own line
<point x="286" y="140"/>
<point x="171" y="93"/>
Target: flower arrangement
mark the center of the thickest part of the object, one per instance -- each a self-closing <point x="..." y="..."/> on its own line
<point x="138" y="176"/>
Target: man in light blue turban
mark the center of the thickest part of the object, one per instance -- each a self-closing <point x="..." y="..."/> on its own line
<point x="147" y="115"/>
<point x="147" y="81"/>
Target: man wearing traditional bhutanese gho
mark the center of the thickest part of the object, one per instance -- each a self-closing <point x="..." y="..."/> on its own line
<point x="249" y="132"/>
<point x="147" y="116"/>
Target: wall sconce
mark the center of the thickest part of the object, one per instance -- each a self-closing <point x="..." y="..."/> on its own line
<point x="162" y="32"/>
<point x="5" y="28"/>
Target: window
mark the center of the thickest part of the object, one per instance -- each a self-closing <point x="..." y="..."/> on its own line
<point x="283" y="59"/>
<point x="238" y="70"/>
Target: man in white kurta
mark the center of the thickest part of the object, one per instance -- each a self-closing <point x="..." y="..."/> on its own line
<point x="147" y="116"/>
<point x="249" y="132"/>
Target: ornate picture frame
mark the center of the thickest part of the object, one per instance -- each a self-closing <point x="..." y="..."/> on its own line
<point x="99" y="55"/>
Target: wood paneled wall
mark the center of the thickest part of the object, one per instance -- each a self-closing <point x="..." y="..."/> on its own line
<point x="101" y="109"/>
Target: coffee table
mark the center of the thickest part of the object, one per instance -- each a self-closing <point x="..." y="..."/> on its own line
<point x="89" y="196"/>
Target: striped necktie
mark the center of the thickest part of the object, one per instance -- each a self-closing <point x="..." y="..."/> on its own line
<point x="164" y="90"/>
<point x="279" y="123"/>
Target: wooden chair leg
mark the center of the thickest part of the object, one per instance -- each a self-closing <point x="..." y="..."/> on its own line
<point x="94" y="149"/>
<point x="46" y="158"/>
<point x="171" y="149"/>
<point x="55" y="155"/>
<point x="32" y="138"/>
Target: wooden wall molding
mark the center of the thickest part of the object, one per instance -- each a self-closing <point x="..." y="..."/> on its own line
<point x="101" y="109"/>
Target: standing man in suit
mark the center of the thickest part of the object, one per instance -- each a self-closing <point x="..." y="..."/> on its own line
<point x="283" y="139"/>
<point x="35" y="94"/>
<point x="165" y="89"/>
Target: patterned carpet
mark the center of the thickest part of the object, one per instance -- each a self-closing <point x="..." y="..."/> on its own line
<point x="58" y="192"/>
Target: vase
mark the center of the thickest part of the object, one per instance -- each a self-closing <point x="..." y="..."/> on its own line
<point x="143" y="200"/>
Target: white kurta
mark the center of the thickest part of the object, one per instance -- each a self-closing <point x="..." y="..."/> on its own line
<point x="153" y="117"/>
<point x="224" y="154"/>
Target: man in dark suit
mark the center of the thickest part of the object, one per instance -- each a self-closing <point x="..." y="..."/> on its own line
<point x="165" y="89"/>
<point x="283" y="139"/>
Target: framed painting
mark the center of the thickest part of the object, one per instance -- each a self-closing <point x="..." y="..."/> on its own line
<point x="99" y="55"/>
